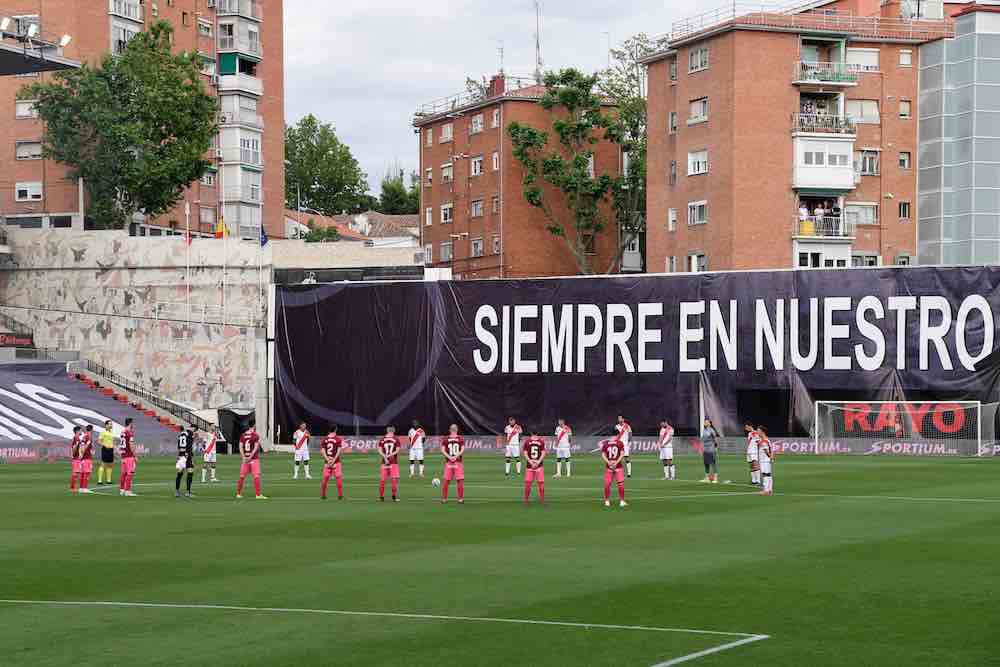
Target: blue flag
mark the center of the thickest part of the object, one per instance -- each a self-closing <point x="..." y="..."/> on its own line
<point x="263" y="237"/>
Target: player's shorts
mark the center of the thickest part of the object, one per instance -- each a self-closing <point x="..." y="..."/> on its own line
<point x="416" y="453"/>
<point x="534" y="474"/>
<point x="77" y="465"/>
<point x="628" y="449"/>
<point x="252" y="468"/>
<point x="107" y="455"/>
<point x="765" y="467"/>
<point x="302" y="453"/>
<point x="86" y="466"/>
<point x="708" y="458"/>
<point x="337" y="470"/>
<point x="513" y="451"/>
<point x="128" y="465"/>
<point x="209" y="457"/>
<point x="454" y="470"/>
<point x="666" y="453"/>
<point x="563" y="452"/>
<point x="184" y="463"/>
<point x="388" y="471"/>
<point x="618" y="475"/>
<point x="751" y="456"/>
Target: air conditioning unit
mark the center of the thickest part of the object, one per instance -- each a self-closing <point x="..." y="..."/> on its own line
<point x="223" y="118"/>
<point x="218" y="153"/>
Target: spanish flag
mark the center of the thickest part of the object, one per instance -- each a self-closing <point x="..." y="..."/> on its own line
<point x="221" y="231"/>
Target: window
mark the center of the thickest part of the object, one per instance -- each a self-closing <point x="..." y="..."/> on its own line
<point x="671" y="219"/>
<point x="250" y="149"/>
<point x="496" y="245"/>
<point x="864" y="259"/>
<point x="633" y="245"/>
<point x="905" y="109"/>
<point x="447" y="173"/>
<point x="673" y="172"/>
<point x="446" y="132"/>
<point x="673" y="70"/>
<point x="496" y="118"/>
<point x="27" y="191"/>
<point x="495" y="204"/>
<point x="208" y="178"/>
<point x="496" y="161"/>
<point x="589" y="244"/>
<point x="698" y="59"/>
<point x="28" y="150"/>
<point x="697" y="213"/>
<point x="866" y="162"/>
<point x="61" y="221"/>
<point x="477" y="247"/>
<point x="447" y="213"/>
<point x="904" y="210"/>
<point x="697" y="163"/>
<point x="204" y="28"/>
<point x="698" y="262"/>
<point x="429" y="216"/>
<point x="863" y="111"/>
<point x="862" y="60"/>
<point x="253" y="41"/>
<point x="672" y="122"/>
<point x="477" y="208"/>
<point x="477" y="166"/>
<point x="184" y="19"/>
<point x="429" y="253"/>
<point x="904" y="159"/>
<point x="861" y="214"/>
<point x="26" y="222"/>
<point x="206" y="216"/>
<point x="672" y="264"/>
<point x="590" y="165"/>
<point x="429" y="177"/>
<point x="698" y="112"/>
<point x="120" y="36"/>
<point x="477" y="124"/>
<point x="902" y="259"/>
<point x="446" y="251"/>
<point x="25" y="109"/>
<point x="208" y="66"/>
<point x="906" y="58"/>
<point x="430" y="137"/>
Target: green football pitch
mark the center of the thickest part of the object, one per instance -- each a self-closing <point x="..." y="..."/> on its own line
<point x="854" y="561"/>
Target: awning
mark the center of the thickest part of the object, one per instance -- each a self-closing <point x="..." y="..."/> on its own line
<point x="15" y="59"/>
<point x="823" y="192"/>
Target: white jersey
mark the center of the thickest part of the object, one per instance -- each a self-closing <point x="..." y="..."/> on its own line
<point x="766" y="456"/>
<point x="625" y="436"/>
<point x="753" y="444"/>
<point x="210" y="452"/>
<point x="300" y="440"/>
<point x="563" y="445"/>
<point x="417" y="437"/>
<point x="513" y="433"/>
<point x="666" y="442"/>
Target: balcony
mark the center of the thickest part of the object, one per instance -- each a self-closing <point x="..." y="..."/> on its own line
<point x="824" y="74"/>
<point x="242" y="83"/>
<point x="250" y="47"/>
<point x="826" y="228"/>
<point x="242" y="155"/>
<point x="246" y="193"/>
<point x="249" y="9"/>
<point x="241" y="117"/>
<point x="126" y="9"/>
<point x="822" y="124"/>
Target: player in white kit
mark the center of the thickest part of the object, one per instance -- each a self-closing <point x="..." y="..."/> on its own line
<point x="417" y="437"/>
<point x="300" y="440"/>
<point x="753" y="453"/>
<point x="209" y="454"/>
<point x="564" y="436"/>
<point x="666" y="445"/>
<point x="513" y="450"/>
<point x="625" y="437"/>
<point x="766" y="455"/>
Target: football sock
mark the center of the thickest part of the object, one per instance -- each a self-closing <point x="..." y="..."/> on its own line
<point x="412" y="467"/>
<point x="461" y="489"/>
<point x="204" y="475"/>
<point x="295" y="474"/>
<point x="256" y="485"/>
<point x="628" y="468"/>
<point x="621" y="490"/>
<point x="558" y="467"/>
<point x="568" y="473"/>
<point x="340" y="487"/>
<point x="381" y="488"/>
<point x="421" y="469"/>
<point x="85" y="481"/>
<point x="506" y="468"/>
<point x="541" y="491"/>
<point x="239" y="486"/>
<point x="518" y="466"/>
<point x="177" y="482"/>
<point x="444" y="490"/>
<point x="673" y="472"/>
<point x="72" y="481"/>
<point x="395" y="488"/>
<point x="190" y="476"/>
<point x="607" y="490"/>
<point x="527" y="490"/>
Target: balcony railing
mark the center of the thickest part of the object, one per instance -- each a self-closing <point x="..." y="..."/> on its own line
<point x="823" y="227"/>
<point x="129" y="9"/>
<point x="244" y="82"/>
<point x="244" y="155"/>
<point x="816" y="72"/>
<point x="248" y="193"/>
<point x="823" y="123"/>
<point x="249" y="46"/>
<point x="241" y="117"/>
<point x="246" y="8"/>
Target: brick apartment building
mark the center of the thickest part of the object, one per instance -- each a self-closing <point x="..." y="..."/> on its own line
<point x="787" y="139"/>
<point x="240" y="42"/>
<point x="474" y="216"/>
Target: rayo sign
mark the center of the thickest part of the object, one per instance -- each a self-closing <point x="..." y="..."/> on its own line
<point x="922" y="418"/>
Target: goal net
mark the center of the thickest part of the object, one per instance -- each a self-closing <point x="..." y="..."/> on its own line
<point x="899" y="428"/>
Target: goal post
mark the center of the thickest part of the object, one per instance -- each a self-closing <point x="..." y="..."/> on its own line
<point x="899" y="428"/>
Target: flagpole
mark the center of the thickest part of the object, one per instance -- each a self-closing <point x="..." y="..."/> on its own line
<point x="187" y="241"/>
<point x="225" y="238"/>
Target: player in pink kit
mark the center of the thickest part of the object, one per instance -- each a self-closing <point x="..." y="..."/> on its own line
<point x="126" y="450"/>
<point x="77" y="463"/>
<point x="86" y="458"/>
<point x="534" y="456"/>
<point x="453" y="448"/>
<point x="388" y="449"/>
<point x="330" y="447"/>
<point x="612" y="451"/>
<point x="250" y="451"/>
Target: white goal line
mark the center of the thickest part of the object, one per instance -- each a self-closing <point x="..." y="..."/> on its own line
<point x="744" y="637"/>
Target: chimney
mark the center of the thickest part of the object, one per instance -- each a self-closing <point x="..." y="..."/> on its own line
<point x="498" y="85"/>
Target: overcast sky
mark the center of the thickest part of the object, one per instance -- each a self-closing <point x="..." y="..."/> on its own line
<point x="365" y="65"/>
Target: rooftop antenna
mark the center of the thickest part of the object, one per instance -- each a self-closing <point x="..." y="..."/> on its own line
<point x="500" y="53"/>
<point x="538" y="42"/>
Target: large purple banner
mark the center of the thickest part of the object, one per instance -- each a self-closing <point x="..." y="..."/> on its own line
<point x="757" y="345"/>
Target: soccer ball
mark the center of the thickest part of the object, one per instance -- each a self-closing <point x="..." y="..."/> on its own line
<point x="435" y="482"/>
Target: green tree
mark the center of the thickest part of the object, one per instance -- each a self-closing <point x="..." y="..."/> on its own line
<point x="320" y="234"/>
<point x="321" y="170"/>
<point x="396" y="199"/>
<point x="623" y="82"/>
<point x="560" y="176"/>
<point x="136" y="127"/>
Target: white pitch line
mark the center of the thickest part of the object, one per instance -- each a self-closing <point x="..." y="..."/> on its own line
<point x="710" y="651"/>
<point x="909" y="498"/>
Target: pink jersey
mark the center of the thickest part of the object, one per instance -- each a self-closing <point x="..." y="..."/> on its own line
<point x="453" y="445"/>
<point x="249" y="442"/>
<point x="76" y="445"/>
<point x="86" y="448"/>
<point x="390" y="443"/>
<point x="612" y="450"/>
<point x="126" y="446"/>
<point x="331" y="446"/>
<point x="534" y="449"/>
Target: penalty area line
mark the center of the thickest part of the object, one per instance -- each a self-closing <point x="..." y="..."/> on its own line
<point x="715" y="649"/>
